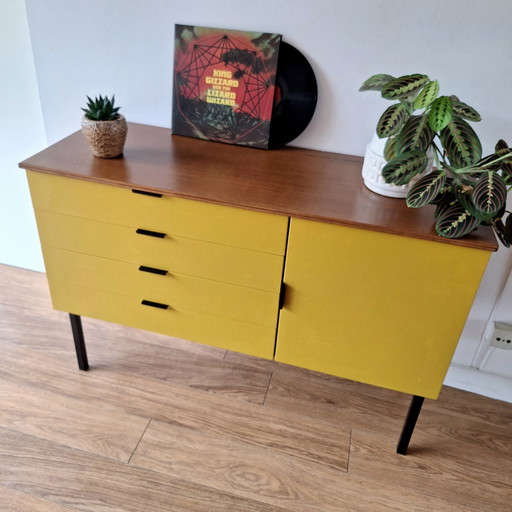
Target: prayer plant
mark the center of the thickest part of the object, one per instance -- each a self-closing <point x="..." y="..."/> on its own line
<point x="466" y="188"/>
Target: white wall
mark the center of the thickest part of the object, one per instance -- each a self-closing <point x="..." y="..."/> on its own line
<point x="21" y="134"/>
<point x="125" y="46"/>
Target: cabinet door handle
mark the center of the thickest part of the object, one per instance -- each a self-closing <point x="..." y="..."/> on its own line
<point x="152" y="270"/>
<point x="147" y="232"/>
<point x="158" y="305"/>
<point x="146" y="193"/>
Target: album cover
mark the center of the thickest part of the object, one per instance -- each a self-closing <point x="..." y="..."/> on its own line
<point x="224" y="84"/>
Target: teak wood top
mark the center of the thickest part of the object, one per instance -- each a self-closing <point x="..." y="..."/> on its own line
<point x="290" y="181"/>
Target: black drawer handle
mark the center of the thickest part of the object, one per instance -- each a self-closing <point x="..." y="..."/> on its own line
<point x="146" y="193"/>
<point x="158" y="305"/>
<point x="152" y="270"/>
<point x="147" y="232"/>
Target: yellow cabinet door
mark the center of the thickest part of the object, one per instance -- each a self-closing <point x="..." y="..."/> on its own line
<point x="373" y="307"/>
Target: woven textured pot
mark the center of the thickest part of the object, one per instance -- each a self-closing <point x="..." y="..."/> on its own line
<point x="106" y="138"/>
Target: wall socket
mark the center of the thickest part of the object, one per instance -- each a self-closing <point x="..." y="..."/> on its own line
<point x="502" y="336"/>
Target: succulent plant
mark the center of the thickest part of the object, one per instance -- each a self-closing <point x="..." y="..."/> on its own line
<point x="467" y="189"/>
<point x="101" y="109"/>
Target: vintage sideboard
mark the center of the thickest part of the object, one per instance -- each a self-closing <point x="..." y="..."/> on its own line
<point x="280" y="254"/>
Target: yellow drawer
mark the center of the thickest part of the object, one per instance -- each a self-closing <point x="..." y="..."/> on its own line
<point x="171" y="215"/>
<point x="222" y="332"/>
<point x="218" y="262"/>
<point x="65" y="268"/>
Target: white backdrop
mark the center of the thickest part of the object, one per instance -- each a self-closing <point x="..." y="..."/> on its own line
<point x="125" y="47"/>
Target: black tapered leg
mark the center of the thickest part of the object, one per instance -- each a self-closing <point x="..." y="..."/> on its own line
<point x="409" y="424"/>
<point x="78" y="336"/>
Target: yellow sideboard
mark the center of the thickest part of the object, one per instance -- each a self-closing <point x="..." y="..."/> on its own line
<point x="279" y="254"/>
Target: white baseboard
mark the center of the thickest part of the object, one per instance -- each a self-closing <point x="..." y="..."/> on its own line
<point x="481" y="383"/>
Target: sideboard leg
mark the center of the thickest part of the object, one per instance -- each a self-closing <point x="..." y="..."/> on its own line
<point x="409" y="424"/>
<point x="78" y="336"/>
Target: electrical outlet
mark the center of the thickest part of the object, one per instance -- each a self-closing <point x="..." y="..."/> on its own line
<point x="502" y="336"/>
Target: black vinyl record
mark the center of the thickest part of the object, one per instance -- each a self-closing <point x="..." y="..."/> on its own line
<point x="296" y="96"/>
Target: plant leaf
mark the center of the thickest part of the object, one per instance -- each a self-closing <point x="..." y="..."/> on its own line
<point x="403" y="168"/>
<point x="415" y="135"/>
<point x="508" y="227"/>
<point x="461" y="143"/>
<point x="392" y="120"/>
<point x="425" y="189"/>
<point x="375" y="82"/>
<point x="427" y="95"/>
<point x="501" y="232"/>
<point x="485" y="163"/>
<point x="440" y="113"/>
<point x="455" y="222"/>
<point x="390" y="149"/>
<point x="489" y="194"/>
<point x="463" y="110"/>
<point x="404" y="86"/>
<point x="443" y="201"/>
<point x="464" y="198"/>
<point x="506" y="165"/>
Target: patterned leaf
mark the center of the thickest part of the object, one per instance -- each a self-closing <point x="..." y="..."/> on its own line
<point x="376" y="82"/>
<point x="508" y="226"/>
<point x="456" y="222"/>
<point x="427" y="95"/>
<point x="390" y="149"/>
<point x="501" y="232"/>
<point x="461" y="143"/>
<point x="463" y="110"/>
<point x="506" y="165"/>
<point x="489" y="194"/>
<point x="464" y="198"/>
<point x="487" y="163"/>
<point x="392" y="121"/>
<point x="443" y="202"/>
<point x="426" y="189"/>
<point x="440" y="113"/>
<point x="416" y="134"/>
<point x="404" y="86"/>
<point x="401" y="169"/>
<point x="502" y="147"/>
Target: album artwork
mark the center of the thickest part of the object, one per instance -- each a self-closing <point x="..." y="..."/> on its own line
<point x="224" y="84"/>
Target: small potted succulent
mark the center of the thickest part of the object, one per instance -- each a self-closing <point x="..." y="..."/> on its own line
<point x="104" y="127"/>
<point x="467" y="189"/>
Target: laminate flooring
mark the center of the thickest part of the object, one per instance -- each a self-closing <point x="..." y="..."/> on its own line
<point x="161" y="424"/>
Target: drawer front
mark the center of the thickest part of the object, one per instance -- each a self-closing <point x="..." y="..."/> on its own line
<point x="373" y="307"/>
<point x="222" y="332"/>
<point x="171" y="215"/>
<point x="65" y="268"/>
<point x="217" y="262"/>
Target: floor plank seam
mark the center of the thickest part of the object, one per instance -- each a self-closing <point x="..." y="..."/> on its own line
<point x="349" y="450"/>
<point x="139" y="441"/>
<point x="268" y="388"/>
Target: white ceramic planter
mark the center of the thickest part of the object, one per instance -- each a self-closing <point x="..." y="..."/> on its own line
<point x="374" y="161"/>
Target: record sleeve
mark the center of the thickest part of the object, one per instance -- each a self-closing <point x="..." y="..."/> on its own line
<point x="224" y="84"/>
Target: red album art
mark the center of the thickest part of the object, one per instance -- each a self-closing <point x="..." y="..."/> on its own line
<point x="224" y="84"/>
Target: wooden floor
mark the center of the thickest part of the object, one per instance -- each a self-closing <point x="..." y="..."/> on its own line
<point x="160" y="424"/>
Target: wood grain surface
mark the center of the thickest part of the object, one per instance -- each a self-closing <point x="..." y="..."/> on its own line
<point x="290" y="181"/>
<point x="219" y="431"/>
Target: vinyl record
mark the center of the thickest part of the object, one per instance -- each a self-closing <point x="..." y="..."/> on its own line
<point x="296" y="95"/>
